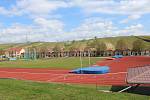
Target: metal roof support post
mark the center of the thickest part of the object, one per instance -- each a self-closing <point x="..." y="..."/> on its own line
<point x="125" y="89"/>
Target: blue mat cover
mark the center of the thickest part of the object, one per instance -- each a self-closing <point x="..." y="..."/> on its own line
<point x="117" y="56"/>
<point x="92" y="70"/>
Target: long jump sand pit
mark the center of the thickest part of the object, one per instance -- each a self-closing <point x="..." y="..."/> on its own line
<point x="118" y="69"/>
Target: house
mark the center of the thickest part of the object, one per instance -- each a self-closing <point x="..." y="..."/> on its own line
<point x="109" y="50"/>
<point x="118" y="52"/>
<point x="147" y="52"/>
<point x="108" y="53"/>
<point x="127" y="52"/>
<point x="15" y="52"/>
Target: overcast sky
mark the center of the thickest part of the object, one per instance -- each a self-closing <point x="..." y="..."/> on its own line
<point x="62" y="20"/>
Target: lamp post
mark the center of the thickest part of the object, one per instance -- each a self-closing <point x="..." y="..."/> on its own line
<point x="81" y="63"/>
<point x="89" y="56"/>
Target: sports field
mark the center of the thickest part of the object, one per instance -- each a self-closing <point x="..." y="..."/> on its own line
<point x="47" y="77"/>
<point x="116" y="76"/>
<point x="60" y="63"/>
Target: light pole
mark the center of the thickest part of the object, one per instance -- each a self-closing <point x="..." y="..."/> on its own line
<point x="81" y="63"/>
<point x="89" y="56"/>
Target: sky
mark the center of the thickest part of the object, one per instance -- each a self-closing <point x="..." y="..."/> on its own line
<point x="66" y="20"/>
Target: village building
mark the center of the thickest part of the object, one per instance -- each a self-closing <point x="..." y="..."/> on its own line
<point x="147" y="52"/>
<point x="109" y="50"/>
<point x="127" y="52"/>
<point x="15" y="52"/>
<point x="48" y="52"/>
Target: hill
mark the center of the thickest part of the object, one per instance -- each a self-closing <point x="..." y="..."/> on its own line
<point x="75" y="44"/>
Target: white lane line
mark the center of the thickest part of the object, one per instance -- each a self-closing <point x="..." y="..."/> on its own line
<point x="31" y="72"/>
<point x="53" y="79"/>
<point x="64" y="73"/>
<point x="116" y="73"/>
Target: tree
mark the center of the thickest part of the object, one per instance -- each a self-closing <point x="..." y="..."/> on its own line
<point x="57" y="48"/>
<point x="93" y="43"/>
<point x="99" y="46"/>
<point x="73" y="41"/>
<point x="90" y="44"/>
<point x="122" y="45"/>
<point x="2" y="52"/>
<point x="139" y="45"/>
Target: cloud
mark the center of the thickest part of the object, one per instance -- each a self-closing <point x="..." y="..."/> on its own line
<point x="46" y="26"/>
<point x="14" y="33"/>
<point x="137" y="29"/>
<point x="92" y="27"/>
<point x="130" y="18"/>
<point x="40" y="7"/>
<point x="114" y="7"/>
<point x="41" y="30"/>
<point x="104" y="28"/>
<point x="34" y="8"/>
<point x="52" y="25"/>
<point x="45" y="7"/>
<point x="132" y="8"/>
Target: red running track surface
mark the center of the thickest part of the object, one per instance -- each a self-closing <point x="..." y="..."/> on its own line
<point x="118" y="69"/>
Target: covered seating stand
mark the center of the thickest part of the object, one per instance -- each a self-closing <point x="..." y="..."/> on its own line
<point x="137" y="76"/>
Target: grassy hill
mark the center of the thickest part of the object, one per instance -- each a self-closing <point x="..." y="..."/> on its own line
<point x="77" y="44"/>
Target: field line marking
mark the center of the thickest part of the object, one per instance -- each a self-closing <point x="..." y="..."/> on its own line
<point x="68" y="74"/>
<point x="53" y="79"/>
<point x="115" y="73"/>
<point x="32" y="72"/>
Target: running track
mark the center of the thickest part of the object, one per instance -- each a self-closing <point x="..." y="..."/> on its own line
<point x="118" y="69"/>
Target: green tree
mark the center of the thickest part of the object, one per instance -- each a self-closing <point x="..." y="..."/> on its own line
<point x="2" y="52"/>
<point x="57" y="48"/>
<point x="72" y="48"/>
<point x="122" y="44"/>
<point x="90" y="44"/>
<point x="139" y="45"/>
<point x="99" y="46"/>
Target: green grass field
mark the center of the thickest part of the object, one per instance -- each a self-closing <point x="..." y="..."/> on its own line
<point x="26" y="90"/>
<point x="62" y="63"/>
